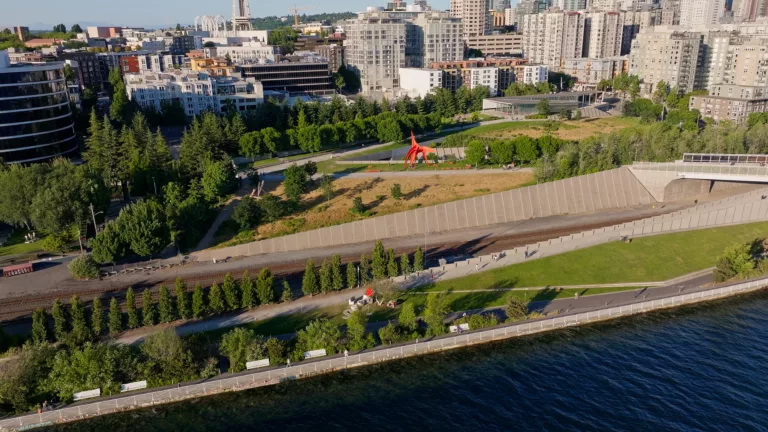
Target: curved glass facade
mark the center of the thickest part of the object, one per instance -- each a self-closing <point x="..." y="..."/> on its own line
<point x="35" y="118"/>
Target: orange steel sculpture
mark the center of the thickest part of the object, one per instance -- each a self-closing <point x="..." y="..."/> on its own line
<point x="413" y="153"/>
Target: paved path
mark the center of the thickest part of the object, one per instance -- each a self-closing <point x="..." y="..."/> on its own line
<point x="414" y="173"/>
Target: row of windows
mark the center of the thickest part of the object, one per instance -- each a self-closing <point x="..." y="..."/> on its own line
<point x="12" y="132"/>
<point x="68" y="145"/>
<point x="27" y="77"/>
<point x="33" y="102"/>
<point x="36" y="140"/>
<point x="38" y="114"/>
<point x="32" y="89"/>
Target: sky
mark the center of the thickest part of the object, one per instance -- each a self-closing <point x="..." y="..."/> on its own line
<point x="42" y="14"/>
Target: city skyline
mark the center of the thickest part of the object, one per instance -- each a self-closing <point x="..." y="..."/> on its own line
<point x="165" y="13"/>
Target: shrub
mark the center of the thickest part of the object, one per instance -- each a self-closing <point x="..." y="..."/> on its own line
<point x="396" y="191"/>
<point x="357" y="207"/>
<point x="84" y="268"/>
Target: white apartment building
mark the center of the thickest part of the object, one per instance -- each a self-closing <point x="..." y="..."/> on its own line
<point x="509" y="16"/>
<point x="636" y="22"/>
<point x="591" y="71"/>
<point x="603" y="34"/>
<point x="197" y="92"/>
<point x="249" y="52"/>
<point x="701" y="12"/>
<point x="553" y="36"/>
<point x="379" y="43"/>
<point x="474" y="15"/>
<point x="670" y="56"/>
<point x="747" y="63"/>
<point x="605" y="5"/>
<point x="571" y="5"/>
<point x="532" y="74"/>
<point x="484" y="76"/>
<point x="417" y="82"/>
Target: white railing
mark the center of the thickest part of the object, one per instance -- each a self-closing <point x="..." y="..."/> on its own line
<point x="304" y="369"/>
<point x="694" y="168"/>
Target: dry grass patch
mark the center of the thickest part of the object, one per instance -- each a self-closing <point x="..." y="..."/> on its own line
<point x="317" y="212"/>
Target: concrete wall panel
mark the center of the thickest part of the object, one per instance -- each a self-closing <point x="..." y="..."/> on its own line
<point x="711" y="217"/>
<point x="364" y="230"/>
<point x="666" y="225"/>
<point x="622" y="190"/>
<point x="576" y="196"/>
<point x="479" y="208"/>
<point x="763" y="209"/>
<point x="554" y="205"/>
<point x="738" y="213"/>
<point x="720" y="216"/>
<point x="516" y="202"/>
<point x="562" y="197"/>
<point x="413" y="225"/>
<point x="606" y="178"/>
<point x="729" y="213"/>
<point x="461" y="214"/>
<point x="676" y="224"/>
<point x="753" y="210"/>
<point x="582" y="185"/>
<point x="390" y="221"/>
<point x="597" y="190"/>
<point x="535" y="200"/>
<point x="325" y="236"/>
<point x="498" y="207"/>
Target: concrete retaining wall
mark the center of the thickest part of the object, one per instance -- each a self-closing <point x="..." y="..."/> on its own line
<point x="604" y="190"/>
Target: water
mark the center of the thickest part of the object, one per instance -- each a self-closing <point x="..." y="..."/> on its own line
<point x="692" y="369"/>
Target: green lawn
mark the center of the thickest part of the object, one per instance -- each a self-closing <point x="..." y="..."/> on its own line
<point x="393" y="146"/>
<point x="15" y="244"/>
<point x="645" y="259"/>
<point x="512" y="126"/>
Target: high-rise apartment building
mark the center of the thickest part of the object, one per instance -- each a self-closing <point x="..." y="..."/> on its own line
<point x="603" y="34"/>
<point x="553" y="36"/>
<point x="748" y="10"/>
<point x="571" y="5"/>
<point x="474" y="15"/>
<point x="635" y="22"/>
<point x="379" y="43"/>
<point x="670" y="12"/>
<point x="694" y="13"/>
<point x="605" y="5"/>
<point x="670" y="56"/>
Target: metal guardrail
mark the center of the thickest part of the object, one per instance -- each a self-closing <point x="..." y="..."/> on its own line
<point x="306" y="369"/>
<point x="694" y="168"/>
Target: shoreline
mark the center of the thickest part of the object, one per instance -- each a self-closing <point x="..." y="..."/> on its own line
<point x="254" y="379"/>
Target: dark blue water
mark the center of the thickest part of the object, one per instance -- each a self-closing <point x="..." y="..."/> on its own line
<point x="702" y="368"/>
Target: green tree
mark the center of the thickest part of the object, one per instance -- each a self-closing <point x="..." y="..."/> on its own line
<point x="166" y="305"/>
<point x="295" y="183"/>
<point x="405" y="264"/>
<point x="418" y="259"/>
<point x="358" y="208"/>
<point x="97" y="316"/>
<point x="265" y="286"/>
<point x="76" y="28"/>
<point x="108" y="246"/>
<point x="286" y="294"/>
<point x="115" y="317"/>
<point x="231" y="294"/>
<point x="59" y="320"/>
<point x="392" y="268"/>
<point x="216" y="300"/>
<point x="736" y="261"/>
<point x="168" y="360"/>
<point x="148" y="309"/>
<point x="57" y="242"/>
<point x="475" y="153"/>
<point x="396" y="191"/>
<point x="247" y="291"/>
<point x="661" y="93"/>
<point x="241" y="345"/>
<point x="309" y="285"/>
<point x="20" y="186"/>
<point x="182" y="300"/>
<point x="326" y="277"/>
<point x="198" y="302"/>
<point x="319" y="334"/>
<point x="407" y="317"/>
<point x="39" y="326"/>
<point x="247" y="214"/>
<point x="336" y="275"/>
<point x="516" y="308"/>
<point x="351" y="276"/>
<point x="356" y="331"/>
<point x="144" y="227"/>
<point x="365" y="269"/>
<point x="130" y="309"/>
<point x="378" y="261"/>
<point x="434" y="313"/>
<point x="326" y="185"/>
<point x="543" y="107"/>
<point x="80" y="332"/>
<point x="218" y="179"/>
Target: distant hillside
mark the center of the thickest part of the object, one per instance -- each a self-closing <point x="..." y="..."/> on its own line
<point x="273" y="22"/>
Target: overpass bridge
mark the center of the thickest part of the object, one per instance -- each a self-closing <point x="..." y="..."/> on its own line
<point x="699" y="174"/>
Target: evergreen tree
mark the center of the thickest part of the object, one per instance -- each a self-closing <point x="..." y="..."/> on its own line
<point x="130" y="308"/>
<point x="59" y="320"/>
<point x="265" y="286"/>
<point x="115" y="317"/>
<point x="309" y="282"/>
<point x="97" y="317"/>
<point x="246" y="288"/>
<point x="418" y="259"/>
<point x="198" y="302"/>
<point x="286" y="295"/>
<point x="351" y="276"/>
<point x="379" y="261"/>
<point x="392" y="269"/>
<point x="182" y="299"/>
<point x="39" y="326"/>
<point x="326" y="277"/>
<point x="216" y="300"/>
<point x="148" y="310"/>
<point x="231" y="297"/>
<point x="365" y="269"/>
<point x="337" y="276"/>
<point x="166" y="305"/>
<point x="405" y="264"/>
<point x="80" y="330"/>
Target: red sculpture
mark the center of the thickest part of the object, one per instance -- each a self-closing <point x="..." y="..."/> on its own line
<point x="413" y="153"/>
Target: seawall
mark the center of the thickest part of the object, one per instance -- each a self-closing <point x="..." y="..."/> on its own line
<point x="331" y="364"/>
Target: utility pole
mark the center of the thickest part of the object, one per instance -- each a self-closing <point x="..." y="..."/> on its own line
<point x="93" y="215"/>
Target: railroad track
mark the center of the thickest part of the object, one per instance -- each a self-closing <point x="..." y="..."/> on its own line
<point x="21" y="308"/>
